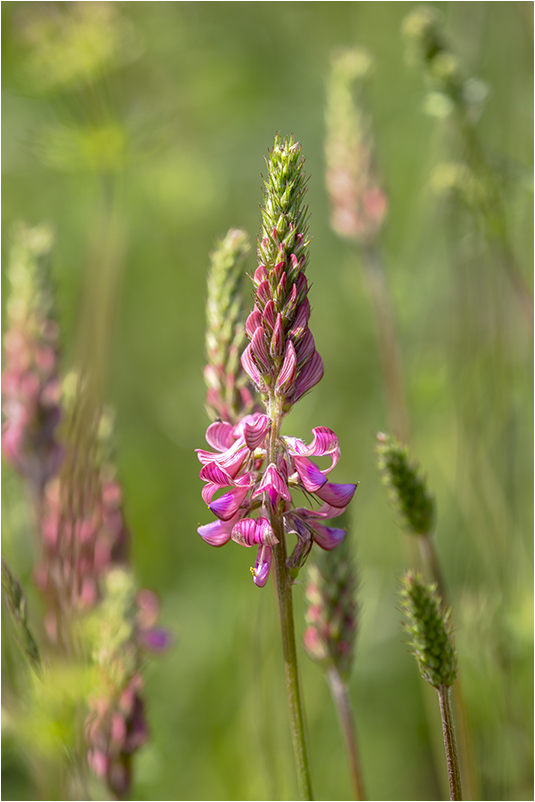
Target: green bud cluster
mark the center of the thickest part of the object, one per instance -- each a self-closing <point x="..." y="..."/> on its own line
<point x="429" y="629"/>
<point x="406" y="487"/>
<point x="225" y="333"/>
<point x="284" y="216"/>
<point x="332" y="615"/>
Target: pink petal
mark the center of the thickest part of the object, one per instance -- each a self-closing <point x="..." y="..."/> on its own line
<point x="286" y="375"/>
<point x="211" y="472"/>
<point x="253" y="322"/>
<point x="249" y="367"/>
<point x="336" y="495"/>
<point x="262" y="566"/>
<point x="219" y="435"/>
<point x="255" y="432"/>
<point x="227" y="505"/>
<point x="216" y="533"/>
<point x="272" y="480"/>
<point x="310" y="375"/>
<point x="310" y="475"/>
<point x="327" y="537"/>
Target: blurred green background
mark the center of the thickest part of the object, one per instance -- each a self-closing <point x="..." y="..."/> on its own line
<point x="139" y="131"/>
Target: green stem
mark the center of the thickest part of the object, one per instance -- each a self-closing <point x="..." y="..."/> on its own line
<point x="342" y="703"/>
<point x="284" y="595"/>
<point x="450" y="744"/>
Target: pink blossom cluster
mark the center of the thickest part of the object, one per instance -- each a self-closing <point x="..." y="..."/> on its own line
<point x="30" y="401"/>
<point x="238" y="466"/>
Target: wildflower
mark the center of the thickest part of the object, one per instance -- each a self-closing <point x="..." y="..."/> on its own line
<point x="229" y="393"/>
<point x="252" y="463"/>
<point x="332" y="614"/>
<point x="30" y="384"/>
<point x="358" y="201"/>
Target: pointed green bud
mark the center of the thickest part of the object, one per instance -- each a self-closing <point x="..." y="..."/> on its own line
<point x="406" y="486"/>
<point x="16" y="602"/>
<point x="429" y="629"/>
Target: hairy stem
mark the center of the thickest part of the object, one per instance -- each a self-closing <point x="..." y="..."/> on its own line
<point x="342" y="703"/>
<point x="450" y="744"/>
<point x="284" y="596"/>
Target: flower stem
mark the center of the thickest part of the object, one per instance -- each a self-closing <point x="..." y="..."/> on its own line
<point x="284" y="596"/>
<point x="450" y="744"/>
<point x="342" y="703"/>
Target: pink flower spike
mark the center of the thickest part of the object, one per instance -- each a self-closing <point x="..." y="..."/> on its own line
<point x="336" y="495"/>
<point x="309" y="376"/>
<point x="273" y="481"/>
<point x="286" y="376"/>
<point x="262" y="566"/>
<point x="254" y="433"/>
<point x="216" y="533"/>
<point x="227" y="505"/>
<point x="327" y="536"/>
<point x="310" y="475"/>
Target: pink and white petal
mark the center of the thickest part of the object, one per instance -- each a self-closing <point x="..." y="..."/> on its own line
<point x="336" y="495"/>
<point x="209" y="491"/>
<point x="310" y="475"/>
<point x="216" y="533"/>
<point x="212" y="472"/>
<point x="244" y="532"/>
<point x="262" y="566"/>
<point x="249" y="367"/>
<point x="272" y="480"/>
<point x="309" y="376"/>
<point x="286" y="375"/>
<point x="265" y="533"/>
<point x="219" y="435"/>
<point x="227" y="505"/>
<point x="327" y="536"/>
<point x="255" y="431"/>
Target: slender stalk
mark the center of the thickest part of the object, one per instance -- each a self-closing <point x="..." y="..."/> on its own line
<point x="467" y="759"/>
<point x="388" y="342"/>
<point x="342" y="703"/>
<point x="450" y="744"/>
<point x="284" y="596"/>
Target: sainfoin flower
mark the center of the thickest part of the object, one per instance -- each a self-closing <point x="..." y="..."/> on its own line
<point x="239" y="467"/>
<point x="252" y="470"/>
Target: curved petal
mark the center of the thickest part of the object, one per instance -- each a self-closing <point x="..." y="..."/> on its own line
<point x="310" y="475"/>
<point x="216" y="533"/>
<point x="255" y="432"/>
<point x="336" y="495"/>
<point x="219" y="435"/>
<point x="227" y="505"/>
<point x="249" y="366"/>
<point x="327" y="536"/>
<point x="272" y="480"/>
<point x="286" y="375"/>
<point x="211" y="472"/>
<point x="262" y="566"/>
<point x="310" y="375"/>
